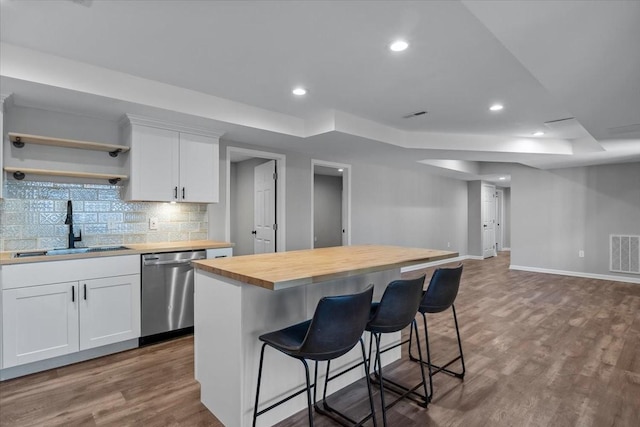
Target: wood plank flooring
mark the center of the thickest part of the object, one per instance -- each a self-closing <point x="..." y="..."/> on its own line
<point x="540" y="350"/>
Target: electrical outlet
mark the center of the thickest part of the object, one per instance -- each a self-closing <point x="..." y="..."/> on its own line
<point x="153" y="223"/>
<point x="580" y="253"/>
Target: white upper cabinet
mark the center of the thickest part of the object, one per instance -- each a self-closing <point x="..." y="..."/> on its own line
<point x="171" y="163"/>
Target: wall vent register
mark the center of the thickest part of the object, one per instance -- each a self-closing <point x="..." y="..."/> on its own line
<point x="625" y="254"/>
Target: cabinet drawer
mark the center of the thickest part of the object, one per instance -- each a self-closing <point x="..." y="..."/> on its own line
<point x="41" y="273"/>
<point x="219" y="253"/>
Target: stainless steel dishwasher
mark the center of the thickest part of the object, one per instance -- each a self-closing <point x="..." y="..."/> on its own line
<point x="167" y="295"/>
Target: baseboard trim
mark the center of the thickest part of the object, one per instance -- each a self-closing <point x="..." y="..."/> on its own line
<point x="506" y="249"/>
<point x="434" y="263"/>
<point x="576" y="274"/>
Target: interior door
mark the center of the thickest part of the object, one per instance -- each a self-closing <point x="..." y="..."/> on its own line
<point x="264" y="223"/>
<point x="488" y="220"/>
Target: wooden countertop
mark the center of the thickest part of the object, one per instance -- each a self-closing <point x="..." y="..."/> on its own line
<point x="7" y="258"/>
<point x="286" y="269"/>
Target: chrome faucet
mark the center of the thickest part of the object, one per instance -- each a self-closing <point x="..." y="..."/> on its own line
<point x="69" y="221"/>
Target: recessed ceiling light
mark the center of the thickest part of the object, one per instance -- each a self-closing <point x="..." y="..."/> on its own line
<point x="299" y="91"/>
<point x="539" y="133"/>
<point x="496" y="107"/>
<point x="502" y="178"/>
<point x="399" y="45"/>
<point x="340" y="170"/>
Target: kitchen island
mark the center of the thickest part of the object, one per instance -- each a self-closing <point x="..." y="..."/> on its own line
<point x="238" y="299"/>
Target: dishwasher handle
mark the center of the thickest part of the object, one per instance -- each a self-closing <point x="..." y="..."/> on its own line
<point x="169" y="262"/>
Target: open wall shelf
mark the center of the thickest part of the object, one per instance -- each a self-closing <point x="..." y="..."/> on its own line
<point x="20" y="173"/>
<point x="19" y="139"/>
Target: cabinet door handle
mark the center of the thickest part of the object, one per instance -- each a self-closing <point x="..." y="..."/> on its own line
<point x="85" y="291"/>
<point x="183" y="192"/>
<point x="175" y="192"/>
<point x="73" y="294"/>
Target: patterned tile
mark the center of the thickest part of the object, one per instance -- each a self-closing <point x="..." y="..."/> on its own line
<point x="83" y="194"/>
<point x="109" y="195"/>
<point x="135" y="238"/>
<point x="200" y="235"/>
<point x="190" y="226"/>
<point x="168" y="226"/>
<point x="52" y="242"/>
<point x="95" y="229"/>
<point x="52" y="218"/>
<point x="92" y="206"/>
<point x="10" y="231"/>
<point x="110" y="217"/>
<point x="54" y="193"/>
<point x="83" y="218"/>
<point x="179" y="216"/>
<point x="19" y="245"/>
<point x="34" y="231"/>
<point x="135" y="217"/>
<point x="157" y="237"/>
<point x="178" y="237"/>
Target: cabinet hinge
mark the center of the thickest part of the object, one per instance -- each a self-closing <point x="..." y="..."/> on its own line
<point x="275" y="176"/>
<point x="275" y="227"/>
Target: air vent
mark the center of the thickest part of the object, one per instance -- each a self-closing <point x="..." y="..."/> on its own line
<point x="416" y="114"/>
<point x="625" y="254"/>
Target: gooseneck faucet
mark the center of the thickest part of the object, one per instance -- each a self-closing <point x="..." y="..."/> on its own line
<point x="69" y="221"/>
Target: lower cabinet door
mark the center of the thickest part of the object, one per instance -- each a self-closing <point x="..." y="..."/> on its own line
<point x="109" y="310"/>
<point x="39" y="322"/>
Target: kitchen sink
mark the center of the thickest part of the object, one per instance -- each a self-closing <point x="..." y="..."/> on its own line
<point x="68" y="251"/>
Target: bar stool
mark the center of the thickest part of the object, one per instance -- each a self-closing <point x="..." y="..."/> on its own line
<point x="396" y="310"/>
<point x="336" y="327"/>
<point x="439" y="296"/>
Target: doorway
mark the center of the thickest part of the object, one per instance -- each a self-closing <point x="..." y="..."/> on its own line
<point x="488" y="199"/>
<point x="499" y="219"/>
<point x="330" y="204"/>
<point x="255" y="200"/>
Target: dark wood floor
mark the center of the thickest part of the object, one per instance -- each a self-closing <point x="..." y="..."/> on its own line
<point x="541" y="350"/>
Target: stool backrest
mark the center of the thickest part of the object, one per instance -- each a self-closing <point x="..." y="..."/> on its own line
<point x="442" y="290"/>
<point x="337" y="325"/>
<point x="398" y="306"/>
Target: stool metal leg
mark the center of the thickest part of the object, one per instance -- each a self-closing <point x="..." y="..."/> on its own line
<point x="255" y="408"/>
<point x="402" y="390"/>
<point x="459" y="357"/>
<point x="336" y="415"/>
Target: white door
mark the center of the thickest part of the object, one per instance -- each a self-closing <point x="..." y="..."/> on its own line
<point x="39" y="322"/>
<point x="488" y="220"/>
<point x="198" y="169"/>
<point x="109" y="310"/>
<point x="264" y="222"/>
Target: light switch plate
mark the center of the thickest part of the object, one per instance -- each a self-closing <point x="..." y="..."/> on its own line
<point x="153" y="223"/>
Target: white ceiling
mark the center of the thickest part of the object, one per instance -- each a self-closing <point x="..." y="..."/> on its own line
<point x="232" y="65"/>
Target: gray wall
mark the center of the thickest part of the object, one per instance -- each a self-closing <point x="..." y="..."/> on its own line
<point x="327" y="211"/>
<point x="389" y="205"/>
<point x="558" y="212"/>
<point x="408" y="207"/>
<point x="242" y="205"/>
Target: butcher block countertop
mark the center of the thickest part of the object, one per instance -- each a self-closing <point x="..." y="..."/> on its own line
<point x="286" y="269"/>
<point x="7" y="258"/>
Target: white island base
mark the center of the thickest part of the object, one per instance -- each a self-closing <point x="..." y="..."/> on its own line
<point x="229" y="317"/>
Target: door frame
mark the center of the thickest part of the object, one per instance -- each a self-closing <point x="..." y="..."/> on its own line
<point x="281" y="168"/>
<point x="500" y="218"/>
<point x="346" y="198"/>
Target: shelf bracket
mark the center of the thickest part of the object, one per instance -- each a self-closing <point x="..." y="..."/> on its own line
<point x="17" y="142"/>
<point x="19" y="175"/>
<point x="114" y="181"/>
<point x="115" y="153"/>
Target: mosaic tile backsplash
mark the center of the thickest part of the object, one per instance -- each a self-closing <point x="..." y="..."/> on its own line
<point x="32" y="216"/>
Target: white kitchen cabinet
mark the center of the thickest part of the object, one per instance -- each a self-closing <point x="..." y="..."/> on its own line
<point x="109" y="310"/>
<point x="219" y="253"/>
<point x="170" y="163"/>
<point x="57" y="308"/>
<point x="39" y="322"/>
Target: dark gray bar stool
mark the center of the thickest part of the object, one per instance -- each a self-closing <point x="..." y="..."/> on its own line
<point x="336" y="327"/>
<point x="439" y="296"/>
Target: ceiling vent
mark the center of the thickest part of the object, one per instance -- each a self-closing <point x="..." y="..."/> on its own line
<point x="416" y="114"/>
